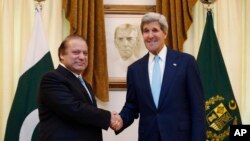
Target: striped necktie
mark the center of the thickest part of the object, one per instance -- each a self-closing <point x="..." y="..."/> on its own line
<point x="84" y="85"/>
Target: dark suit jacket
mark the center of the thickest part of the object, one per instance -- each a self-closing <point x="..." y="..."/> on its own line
<point x="66" y="112"/>
<point x="181" y="112"/>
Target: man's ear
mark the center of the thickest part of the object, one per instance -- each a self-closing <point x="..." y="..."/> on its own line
<point x="165" y="36"/>
<point x="61" y="56"/>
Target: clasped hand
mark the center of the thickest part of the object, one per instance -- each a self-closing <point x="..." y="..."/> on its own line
<point x="116" y="121"/>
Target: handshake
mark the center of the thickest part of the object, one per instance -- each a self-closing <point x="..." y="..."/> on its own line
<point x="116" y="121"/>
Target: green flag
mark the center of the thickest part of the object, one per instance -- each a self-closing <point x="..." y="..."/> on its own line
<point x="23" y="118"/>
<point x="221" y="107"/>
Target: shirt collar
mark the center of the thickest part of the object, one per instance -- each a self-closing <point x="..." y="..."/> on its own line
<point x="161" y="54"/>
<point x="70" y="70"/>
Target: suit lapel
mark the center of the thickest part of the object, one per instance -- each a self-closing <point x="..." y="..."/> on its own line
<point x="171" y="65"/>
<point x="91" y="93"/>
<point x="85" y="92"/>
<point x="73" y="79"/>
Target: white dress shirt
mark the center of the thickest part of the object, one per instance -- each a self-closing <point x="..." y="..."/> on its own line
<point x="162" y="54"/>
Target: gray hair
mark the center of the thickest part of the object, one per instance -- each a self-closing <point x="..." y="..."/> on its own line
<point x="155" y="17"/>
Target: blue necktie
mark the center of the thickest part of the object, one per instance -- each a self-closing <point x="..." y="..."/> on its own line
<point x="84" y="85"/>
<point x="156" y="80"/>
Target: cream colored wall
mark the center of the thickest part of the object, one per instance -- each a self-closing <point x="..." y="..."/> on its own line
<point x="117" y="99"/>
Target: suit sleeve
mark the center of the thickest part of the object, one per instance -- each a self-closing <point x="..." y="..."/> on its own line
<point x="130" y="109"/>
<point x="197" y="101"/>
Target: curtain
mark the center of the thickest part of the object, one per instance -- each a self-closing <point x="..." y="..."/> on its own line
<point x="179" y="17"/>
<point x="86" y="18"/>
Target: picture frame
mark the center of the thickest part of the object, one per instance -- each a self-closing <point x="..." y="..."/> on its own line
<point x="116" y="15"/>
<point x="128" y="9"/>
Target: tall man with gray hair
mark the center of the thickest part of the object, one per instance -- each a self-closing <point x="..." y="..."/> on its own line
<point x="164" y="90"/>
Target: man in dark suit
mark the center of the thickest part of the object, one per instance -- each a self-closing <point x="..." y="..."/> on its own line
<point x="66" y="103"/>
<point x="164" y="90"/>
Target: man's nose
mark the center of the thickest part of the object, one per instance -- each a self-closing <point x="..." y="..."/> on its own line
<point x="150" y="34"/>
<point x="82" y="55"/>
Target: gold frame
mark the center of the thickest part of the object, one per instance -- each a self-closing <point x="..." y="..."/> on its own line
<point x="128" y="9"/>
<point x="117" y="83"/>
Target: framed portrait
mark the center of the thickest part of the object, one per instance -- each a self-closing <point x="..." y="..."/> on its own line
<point x="123" y="41"/>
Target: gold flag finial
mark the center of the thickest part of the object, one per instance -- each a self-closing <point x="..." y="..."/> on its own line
<point x="39" y="0"/>
<point x="207" y="4"/>
<point x="38" y="4"/>
<point x="207" y="1"/>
